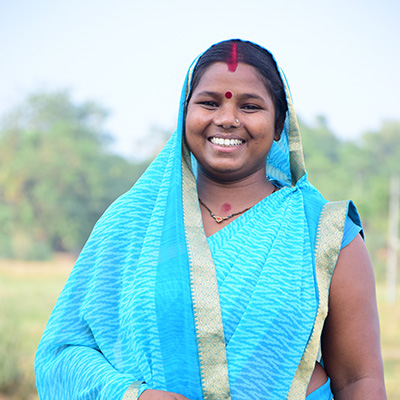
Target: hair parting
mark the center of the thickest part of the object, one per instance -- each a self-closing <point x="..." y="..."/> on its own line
<point x="233" y="59"/>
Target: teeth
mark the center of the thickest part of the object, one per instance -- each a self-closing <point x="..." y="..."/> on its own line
<point x="226" y="142"/>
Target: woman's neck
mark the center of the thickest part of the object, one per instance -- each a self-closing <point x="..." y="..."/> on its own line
<point x="245" y="192"/>
<point x="229" y="199"/>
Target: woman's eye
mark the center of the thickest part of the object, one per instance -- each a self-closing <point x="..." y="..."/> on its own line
<point x="211" y="104"/>
<point x="251" y="107"/>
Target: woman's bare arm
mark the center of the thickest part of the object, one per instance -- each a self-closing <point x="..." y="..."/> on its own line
<point x="351" y="338"/>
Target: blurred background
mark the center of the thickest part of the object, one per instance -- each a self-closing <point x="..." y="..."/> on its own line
<point x="89" y="94"/>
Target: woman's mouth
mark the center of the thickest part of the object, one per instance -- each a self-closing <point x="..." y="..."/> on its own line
<point x="226" y="142"/>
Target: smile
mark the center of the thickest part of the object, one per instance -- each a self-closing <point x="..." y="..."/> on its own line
<point x="226" y="142"/>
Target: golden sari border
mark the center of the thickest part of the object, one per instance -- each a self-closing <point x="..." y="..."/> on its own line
<point x="297" y="165"/>
<point x="132" y="391"/>
<point x="189" y="79"/>
<point x="205" y="295"/>
<point x="328" y="245"/>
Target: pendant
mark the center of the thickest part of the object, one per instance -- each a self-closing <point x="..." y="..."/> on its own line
<point x="218" y="219"/>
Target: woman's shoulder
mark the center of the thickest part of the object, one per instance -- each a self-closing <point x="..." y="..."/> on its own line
<point x="314" y="204"/>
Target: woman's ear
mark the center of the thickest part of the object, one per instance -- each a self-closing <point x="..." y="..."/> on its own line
<point x="278" y="131"/>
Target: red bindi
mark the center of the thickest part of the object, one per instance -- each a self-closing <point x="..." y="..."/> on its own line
<point x="233" y="58"/>
<point x="228" y="94"/>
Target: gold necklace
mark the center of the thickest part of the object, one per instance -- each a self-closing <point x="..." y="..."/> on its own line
<point x="219" y="219"/>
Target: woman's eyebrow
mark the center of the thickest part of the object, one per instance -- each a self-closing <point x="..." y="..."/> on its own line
<point x="245" y="96"/>
<point x="208" y="93"/>
<point x="241" y="96"/>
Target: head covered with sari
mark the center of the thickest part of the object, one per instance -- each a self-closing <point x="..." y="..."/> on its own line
<point x="153" y="303"/>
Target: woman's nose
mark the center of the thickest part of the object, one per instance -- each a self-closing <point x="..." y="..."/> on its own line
<point x="226" y="117"/>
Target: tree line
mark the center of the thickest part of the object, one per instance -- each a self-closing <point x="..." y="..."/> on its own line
<point x="58" y="174"/>
<point x="359" y="170"/>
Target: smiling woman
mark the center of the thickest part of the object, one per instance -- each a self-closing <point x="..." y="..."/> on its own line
<point x="213" y="276"/>
<point x="231" y="137"/>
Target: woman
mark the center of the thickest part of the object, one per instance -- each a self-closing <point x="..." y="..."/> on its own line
<point x="211" y="277"/>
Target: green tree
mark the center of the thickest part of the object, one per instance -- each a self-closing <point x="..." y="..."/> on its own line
<point x="57" y="175"/>
<point x="357" y="170"/>
<point x="380" y="153"/>
<point x="322" y="158"/>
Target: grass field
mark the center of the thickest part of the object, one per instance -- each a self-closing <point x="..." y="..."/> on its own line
<point x="28" y="291"/>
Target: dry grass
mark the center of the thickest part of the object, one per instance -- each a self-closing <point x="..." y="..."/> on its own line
<point x="390" y="339"/>
<point x="28" y="291"/>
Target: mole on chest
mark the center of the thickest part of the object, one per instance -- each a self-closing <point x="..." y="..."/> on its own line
<point x="226" y="207"/>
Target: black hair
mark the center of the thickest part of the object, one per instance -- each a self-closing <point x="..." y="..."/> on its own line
<point x="251" y="54"/>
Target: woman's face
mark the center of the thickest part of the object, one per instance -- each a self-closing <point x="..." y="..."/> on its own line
<point x="230" y="123"/>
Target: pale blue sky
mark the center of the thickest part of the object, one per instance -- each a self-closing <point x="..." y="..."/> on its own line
<point x="341" y="58"/>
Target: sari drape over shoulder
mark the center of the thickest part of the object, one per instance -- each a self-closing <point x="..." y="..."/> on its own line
<point x="152" y="303"/>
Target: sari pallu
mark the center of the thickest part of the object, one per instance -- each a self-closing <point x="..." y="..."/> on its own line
<point x="142" y="302"/>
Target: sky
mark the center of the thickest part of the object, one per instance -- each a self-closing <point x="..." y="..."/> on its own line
<point x="341" y="58"/>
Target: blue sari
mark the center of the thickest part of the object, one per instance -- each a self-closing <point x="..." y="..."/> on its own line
<point x="152" y="304"/>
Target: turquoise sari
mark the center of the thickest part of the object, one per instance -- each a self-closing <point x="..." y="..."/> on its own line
<point x="152" y="303"/>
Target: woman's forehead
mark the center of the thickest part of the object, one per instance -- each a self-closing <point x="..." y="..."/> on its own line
<point x="220" y="74"/>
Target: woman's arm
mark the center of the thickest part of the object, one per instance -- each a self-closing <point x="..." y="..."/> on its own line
<point x="79" y="354"/>
<point x="160" y="395"/>
<point x="69" y="363"/>
<point x="79" y="372"/>
<point x="351" y="339"/>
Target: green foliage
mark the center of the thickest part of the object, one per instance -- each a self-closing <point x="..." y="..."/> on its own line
<point x="57" y="175"/>
<point x="358" y="171"/>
